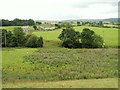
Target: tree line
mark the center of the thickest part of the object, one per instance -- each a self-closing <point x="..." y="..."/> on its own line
<point x="18" y="38"/>
<point x="18" y="22"/>
<point x="69" y="39"/>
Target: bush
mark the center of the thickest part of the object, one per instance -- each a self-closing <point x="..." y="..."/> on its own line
<point x="34" y="41"/>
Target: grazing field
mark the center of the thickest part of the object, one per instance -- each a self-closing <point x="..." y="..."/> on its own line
<point x="110" y="35"/>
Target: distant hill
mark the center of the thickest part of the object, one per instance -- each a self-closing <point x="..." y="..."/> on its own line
<point x="111" y="19"/>
<point x="72" y="20"/>
<point x="108" y="19"/>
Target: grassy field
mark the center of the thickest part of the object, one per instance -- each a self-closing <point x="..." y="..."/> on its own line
<point x="96" y="83"/>
<point x="110" y="35"/>
<point x="57" y="64"/>
<point x="62" y="67"/>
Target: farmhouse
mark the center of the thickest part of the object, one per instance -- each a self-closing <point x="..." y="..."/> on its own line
<point x="26" y="28"/>
<point x="46" y="29"/>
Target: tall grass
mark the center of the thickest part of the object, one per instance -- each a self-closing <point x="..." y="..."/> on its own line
<point x="53" y="64"/>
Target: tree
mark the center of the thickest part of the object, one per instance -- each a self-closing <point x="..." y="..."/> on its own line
<point x="5" y="22"/>
<point x="31" y="22"/>
<point x="8" y="39"/>
<point x="97" y="42"/>
<point x="19" y="37"/>
<point x="58" y="25"/>
<point x="34" y="41"/>
<point x="100" y="23"/>
<point x="35" y="27"/>
<point x="78" y="23"/>
<point x="4" y="32"/>
<point x="90" y="40"/>
<point x="38" y="23"/>
<point x="17" y="22"/>
<point x="70" y="38"/>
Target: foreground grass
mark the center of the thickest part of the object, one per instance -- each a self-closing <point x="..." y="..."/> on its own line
<point x="92" y="83"/>
<point x="56" y="64"/>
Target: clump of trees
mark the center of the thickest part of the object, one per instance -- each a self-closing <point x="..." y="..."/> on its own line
<point x="86" y="39"/>
<point x="63" y="25"/>
<point x="17" y="22"/>
<point x="70" y="38"/>
<point x="18" y="38"/>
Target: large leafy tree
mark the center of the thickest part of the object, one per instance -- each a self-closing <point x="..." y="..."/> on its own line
<point x="19" y="37"/>
<point x="34" y="41"/>
<point x="90" y="40"/>
<point x="7" y="38"/>
<point x="4" y="32"/>
<point x="70" y="38"/>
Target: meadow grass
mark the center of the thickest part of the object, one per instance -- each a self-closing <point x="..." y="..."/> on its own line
<point x="56" y="64"/>
<point x="34" y="66"/>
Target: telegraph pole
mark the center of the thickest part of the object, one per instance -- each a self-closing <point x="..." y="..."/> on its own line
<point x="5" y="39"/>
<point x="103" y="40"/>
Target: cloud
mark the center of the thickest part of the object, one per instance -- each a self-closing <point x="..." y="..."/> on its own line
<point x="58" y="9"/>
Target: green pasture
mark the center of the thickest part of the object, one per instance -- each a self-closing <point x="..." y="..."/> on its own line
<point x="111" y="25"/>
<point x="110" y="35"/>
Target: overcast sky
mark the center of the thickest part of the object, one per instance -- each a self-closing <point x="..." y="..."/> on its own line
<point x="58" y="9"/>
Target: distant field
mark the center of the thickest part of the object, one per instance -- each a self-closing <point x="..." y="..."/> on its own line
<point x="12" y="27"/>
<point x="110" y="35"/>
<point x="110" y="25"/>
<point x="92" y="83"/>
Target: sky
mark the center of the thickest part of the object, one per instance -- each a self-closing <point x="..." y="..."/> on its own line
<point x="58" y="9"/>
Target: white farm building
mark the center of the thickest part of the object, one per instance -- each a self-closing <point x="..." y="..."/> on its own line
<point x="46" y="29"/>
<point x="26" y="28"/>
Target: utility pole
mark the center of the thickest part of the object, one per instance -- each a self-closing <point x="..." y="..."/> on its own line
<point x="5" y="39"/>
<point x="103" y="39"/>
